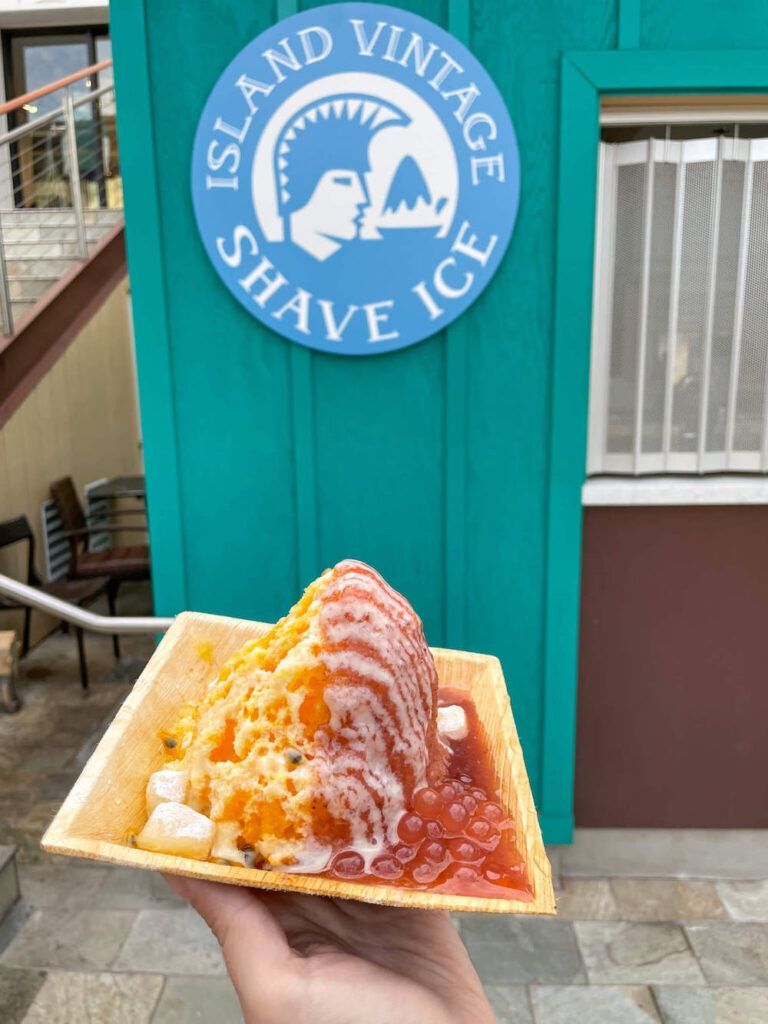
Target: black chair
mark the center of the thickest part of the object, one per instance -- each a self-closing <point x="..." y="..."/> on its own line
<point x="78" y="592"/>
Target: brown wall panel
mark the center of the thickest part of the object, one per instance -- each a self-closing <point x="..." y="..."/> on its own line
<point x="673" y="694"/>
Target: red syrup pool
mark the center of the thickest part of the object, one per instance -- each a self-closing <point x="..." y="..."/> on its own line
<point x="455" y="838"/>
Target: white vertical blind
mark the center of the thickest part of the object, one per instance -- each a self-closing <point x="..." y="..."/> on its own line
<point x="680" y="312"/>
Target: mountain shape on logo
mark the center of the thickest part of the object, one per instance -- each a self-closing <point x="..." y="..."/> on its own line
<point x="408" y="186"/>
<point x="409" y="203"/>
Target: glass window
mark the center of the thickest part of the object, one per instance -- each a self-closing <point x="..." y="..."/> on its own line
<point x="680" y="331"/>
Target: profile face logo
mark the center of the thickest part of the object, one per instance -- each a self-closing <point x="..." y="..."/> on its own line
<point x="355" y="178"/>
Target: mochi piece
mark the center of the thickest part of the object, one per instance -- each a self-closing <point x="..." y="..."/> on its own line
<point x="166" y="786"/>
<point x="452" y="722"/>
<point x="177" y="829"/>
<point x="225" y="845"/>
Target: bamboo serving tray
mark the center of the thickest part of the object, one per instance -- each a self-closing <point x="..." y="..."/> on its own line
<point x="107" y="802"/>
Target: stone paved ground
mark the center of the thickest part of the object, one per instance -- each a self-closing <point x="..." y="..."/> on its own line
<point x="114" y="946"/>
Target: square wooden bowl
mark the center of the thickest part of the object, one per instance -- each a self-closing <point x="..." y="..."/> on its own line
<point x="107" y="802"/>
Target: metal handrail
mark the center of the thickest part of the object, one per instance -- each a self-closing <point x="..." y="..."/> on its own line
<point x="70" y="168"/>
<point x="46" y="90"/>
<point x="39" y="122"/>
<point x="123" y="624"/>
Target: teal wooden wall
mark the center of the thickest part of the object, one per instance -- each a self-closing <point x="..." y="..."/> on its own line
<point x="267" y="462"/>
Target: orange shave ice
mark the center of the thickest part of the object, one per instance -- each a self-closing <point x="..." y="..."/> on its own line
<point x="321" y="748"/>
<point x="316" y="735"/>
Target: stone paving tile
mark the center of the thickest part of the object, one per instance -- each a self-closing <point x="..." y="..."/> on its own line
<point x="681" y="1004"/>
<point x="555" y="853"/>
<point x="636" y="954"/>
<point x="11" y="756"/>
<point x="201" y="1001"/>
<point x="604" y="1004"/>
<point x="17" y="990"/>
<point x="67" y="997"/>
<point x="12" y="923"/>
<point x="510" y="1003"/>
<point x="586" y="899"/>
<point x="56" y="785"/>
<point x="171" y="942"/>
<point x="9" y="880"/>
<point x="731" y="954"/>
<point x="666" y="899"/>
<point x="40" y="746"/>
<point x="745" y="901"/>
<point x="507" y="950"/>
<point x="85" y="940"/>
<point x="44" y="759"/>
<point x="32" y="825"/>
<point x="51" y="884"/>
<point x="131" y="889"/>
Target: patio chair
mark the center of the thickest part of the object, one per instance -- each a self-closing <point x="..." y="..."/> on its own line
<point x="79" y="592"/>
<point x="118" y="564"/>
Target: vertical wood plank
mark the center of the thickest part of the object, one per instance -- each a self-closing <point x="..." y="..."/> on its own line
<point x="579" y="138"/>
<point x="142" y="181"/>
<point x="302" y="418"/>
<point x="456" y="427"/>
<point x="629" y="24"/>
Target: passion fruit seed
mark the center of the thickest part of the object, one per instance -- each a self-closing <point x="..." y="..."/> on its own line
<point x="170" y="742"/>
<point x="293" y="756"/>
<point x="248" y="853"/>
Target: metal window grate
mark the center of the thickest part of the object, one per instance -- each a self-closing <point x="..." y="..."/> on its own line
<point x="680" y="320"/>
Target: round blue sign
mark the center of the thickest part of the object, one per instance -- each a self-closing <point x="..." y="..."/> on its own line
<point x="355" y="178"/>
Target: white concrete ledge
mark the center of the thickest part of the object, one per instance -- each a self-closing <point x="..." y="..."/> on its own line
<point x="664" y="853"/>
<point x="676" y="490"/>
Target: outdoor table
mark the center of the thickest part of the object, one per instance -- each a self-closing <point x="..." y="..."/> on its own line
<point x="120" y="487"/>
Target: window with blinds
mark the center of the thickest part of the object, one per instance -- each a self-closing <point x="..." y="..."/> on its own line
<point x="680" y="321"/>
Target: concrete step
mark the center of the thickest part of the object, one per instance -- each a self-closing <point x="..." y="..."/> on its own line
<point x="36" y="266"/>
<point x="58" y="215"/>
<point x="21" y="225"/>
<point x="20" y="306"/>
<point x="41" y="250"/>
<point x="31" y="288"/>
<point x="31" y="233"/>
<point x="9" y="879"/>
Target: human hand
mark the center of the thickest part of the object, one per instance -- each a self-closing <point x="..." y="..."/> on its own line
<point x="309" y="960"/>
